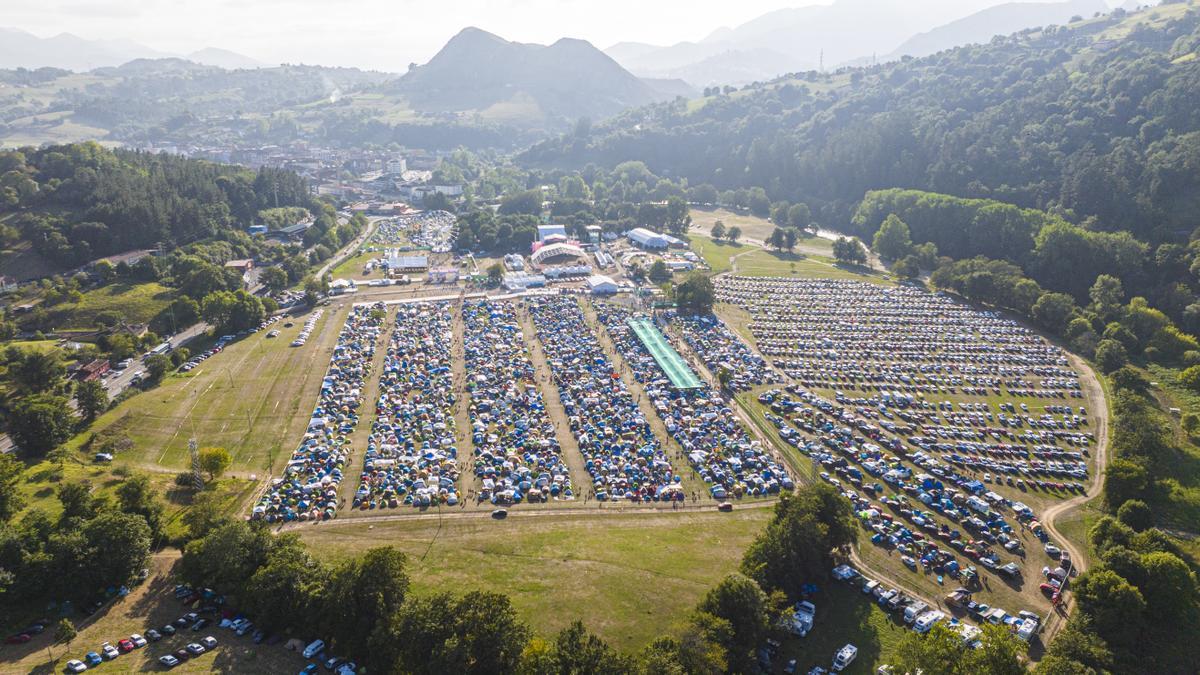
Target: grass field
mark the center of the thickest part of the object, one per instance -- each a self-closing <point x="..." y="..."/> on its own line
<point x="752" y="226"/>
<point x="135" y="303"/>
<point x="767" y="263"/>
<point x="643" y="572"/>
<point x="716" y="254"/>
<point x="353" y="266"/>
<point x="253" y="398"/>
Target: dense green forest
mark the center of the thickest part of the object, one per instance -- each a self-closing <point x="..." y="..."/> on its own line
<point x="1065" y="120"/>
<point x="76" y="203"/>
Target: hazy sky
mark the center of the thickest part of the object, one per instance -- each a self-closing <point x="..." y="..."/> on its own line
<point x="382" y="34"/>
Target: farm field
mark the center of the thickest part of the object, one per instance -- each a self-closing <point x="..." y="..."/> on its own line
<point x="253" y="398"/>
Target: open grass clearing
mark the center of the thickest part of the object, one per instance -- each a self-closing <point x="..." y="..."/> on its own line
<point x="630" y="577"/>
<point x="768" y="263"/>
<point x="134" y="303"/>
<point x="753" y="227"/>
<point x="716" y="253"/>
<point x="353" y="266"/>
<point x="254" y="399"/>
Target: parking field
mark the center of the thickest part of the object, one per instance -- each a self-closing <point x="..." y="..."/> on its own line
<point x="252" y="398"/>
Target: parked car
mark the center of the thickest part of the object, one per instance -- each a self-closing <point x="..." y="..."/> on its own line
<point x="18" y="639"/>
<point x="200" y="624"/>
<point x="168" y="661"/>
<point x="93" y="659"/>
<point x="313" y="649"/>
<point x="182" y="654"/>
<point x="196" y="649"/>
<point x="126" y="645"/>
<point x="110" y="652"/>
<point x="168" y="630"/>
<point x="209" y="642"/>
<point x="137" y="640"/>
<point x="75" y="666"/>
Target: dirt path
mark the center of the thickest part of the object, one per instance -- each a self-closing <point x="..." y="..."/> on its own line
<point x="580" y="478"/>
<point x="462" y="415"/>
<point x="352" y="476"/>
<point x="1100" y="419"/>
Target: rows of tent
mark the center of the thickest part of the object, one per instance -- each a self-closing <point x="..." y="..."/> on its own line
<point x="721" y="349"/>
<point x="517" y="455"/>
<point x="715" y="443"/>
<point x="411" y="458"/>
<point x="308" y="488"/>
<point x="620" y="451"/>
<point x="854" y="335"/>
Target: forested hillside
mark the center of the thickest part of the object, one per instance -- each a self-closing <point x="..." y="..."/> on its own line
<point x="76" y="203"/>
<point x="1094" y="120"/>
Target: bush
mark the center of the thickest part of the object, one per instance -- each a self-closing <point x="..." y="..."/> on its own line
<point x="1111" y="355"/>
<point x="1136" y="515"/>
<point x="184" y="479"/>
<point x="1190" y="378"/>
<point x="1191" y="358"/>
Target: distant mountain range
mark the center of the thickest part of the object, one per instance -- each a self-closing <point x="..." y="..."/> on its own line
<point x="480" y="72"/>
<point x="19" y="49"/>
<point x="999" y="20"/>
<point x="842" y="33"/>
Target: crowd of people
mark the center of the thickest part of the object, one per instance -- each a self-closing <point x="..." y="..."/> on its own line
<point x="840" y="334"/>
<point x="308" y="489"/>
<point x="716" y="445"/>
<point x="517" y="456"/>
<point x="411" y="457"/>
<point x="721" y="349"/>
<point x="621" y="454"/>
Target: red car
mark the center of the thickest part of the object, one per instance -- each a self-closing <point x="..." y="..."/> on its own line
<point x="19" y="639"/>
<point x="125" y="646"/>
<point x="1048" y="589"/>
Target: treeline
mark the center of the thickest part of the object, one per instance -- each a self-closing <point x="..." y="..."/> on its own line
<point x="94" y="545"/>
<point x="629" y="196"/>
<point x="1139" y="606"/>
<point x="1044" y="119"/>
<point x="79" y="202"/>
<point x="364" y="609"/>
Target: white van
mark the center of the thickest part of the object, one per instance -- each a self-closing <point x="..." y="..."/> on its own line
<point x="926" y="621"/>
<point x="914" y="610"/>
<point x="314" y="649"/>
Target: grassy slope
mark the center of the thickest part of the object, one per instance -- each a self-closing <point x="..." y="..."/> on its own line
<point x="254" y="399"/>
<point x="716" y="254"/>
<point x="642" y="572"/>
<point x="136" y="303"/>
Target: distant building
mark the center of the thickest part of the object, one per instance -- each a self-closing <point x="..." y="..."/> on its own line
<point x="603" y="260"/>
<point x="514" y="262"/>
<point x="342" y="287"/>
<point x="557" y="253"/>
<point x="443" y="275"/>
<point x="599" y="284"/>
<point x="593" y="233"/>
<point x="243" y="266"/>
<point x="648" y="239"/>
<point x="564" y="271"/>
<point x="257" y="229"/>
<point x="92" y="371"/>
<point x="291" y="232"/>
<point x="520" y="281"/>
<point x="546" y="231"/>
<point x="405" y="263"/>
<point x="397" y="166"/>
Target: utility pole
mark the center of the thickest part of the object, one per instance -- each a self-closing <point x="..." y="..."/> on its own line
<point x="822" y="61"/>
<point x="197" y="480"/>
